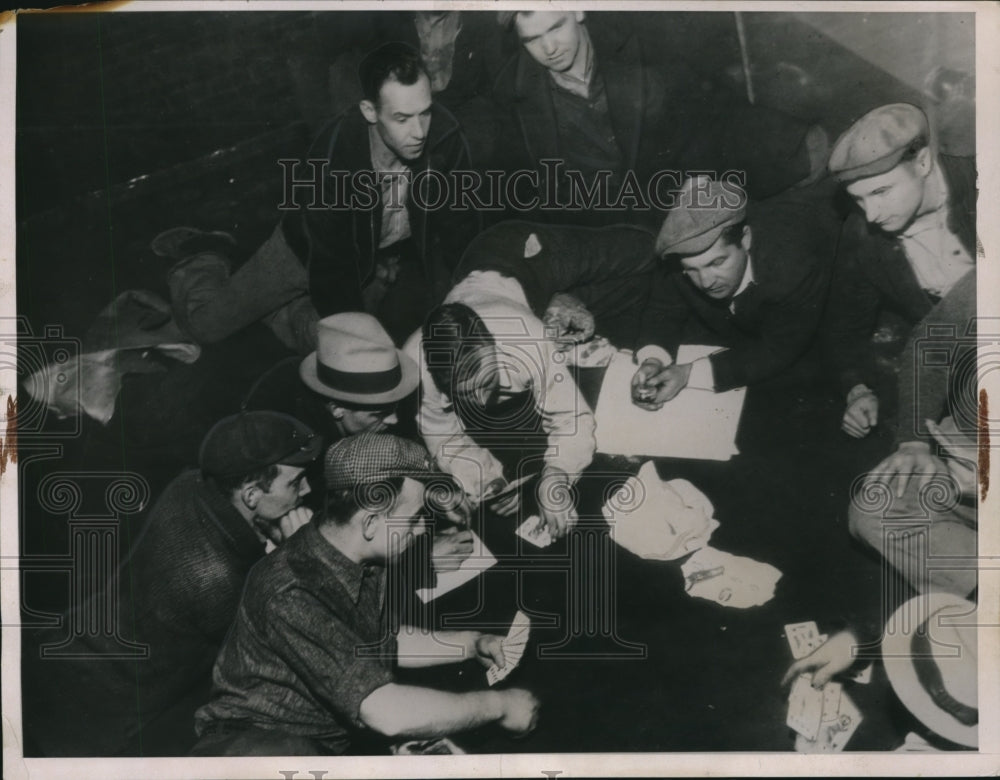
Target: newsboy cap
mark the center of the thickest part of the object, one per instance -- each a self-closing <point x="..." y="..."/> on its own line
<point x="250" y="441"/>
<point x="704" y="208"/>
<point x="372" y="457"/>
<point x="877" y="141"/>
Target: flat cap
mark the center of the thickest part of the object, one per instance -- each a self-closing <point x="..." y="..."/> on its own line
<point x="877" y="141"/>
<point x="247" y="442"/>
<point x="372" y="457"/>
<point x="704" y="208"/>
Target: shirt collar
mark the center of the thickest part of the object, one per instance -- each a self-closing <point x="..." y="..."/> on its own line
<point x="383" y="158"/>
<point x="230" y="523"/>
<point x="348" y="573"/>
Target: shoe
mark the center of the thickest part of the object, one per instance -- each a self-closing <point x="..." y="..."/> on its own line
<point x="179" y="242"/>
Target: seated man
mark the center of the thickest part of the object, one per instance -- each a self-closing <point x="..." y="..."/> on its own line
<point x="498" y="399"/>
<point x="915" y="492"/>
<point x="354" y="238"/>
<point x="584" y="94"/>
<point x="912" y="237"/>
<point x="308" y="666"/>
<point x="186" y="573"/>
<point x="351" y="383"/>
<point x="751" y="279"/>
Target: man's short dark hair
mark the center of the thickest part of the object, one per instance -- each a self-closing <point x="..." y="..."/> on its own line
<point x="395" y="61"/>
<point x="731" y="235"/>
<point x="264" y="478"/>
<point x="341" y="505"/>
<point x="452" y="337"/>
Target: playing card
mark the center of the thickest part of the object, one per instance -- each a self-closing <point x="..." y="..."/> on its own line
<point x="831" y="701"/>
<point x="805" y="707"/>
<point x="862" y="676"/>
<point x="802" y="638"/>
<point x="836" y="728"/>
<point x="532" y="531"/>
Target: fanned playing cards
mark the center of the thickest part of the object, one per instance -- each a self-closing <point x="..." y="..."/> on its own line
<point x="513" y="648"/>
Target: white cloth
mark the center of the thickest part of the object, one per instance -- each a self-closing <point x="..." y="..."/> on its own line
<point x="659" y="520"/>
<point x="529" y="361"/>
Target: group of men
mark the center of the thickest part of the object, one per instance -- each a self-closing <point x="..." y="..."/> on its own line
<point x="412" y="319"/>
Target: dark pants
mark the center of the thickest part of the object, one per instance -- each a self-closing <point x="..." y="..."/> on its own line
<point x="255" y="741"/>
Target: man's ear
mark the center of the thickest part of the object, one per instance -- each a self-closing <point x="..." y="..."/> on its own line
<point x="747" y="238"/>
<point x="369" y="111"/>
<point x="922" y="161"/>
<point x="250" y="493"/>
<point x="369" y="526"/>
<point x="336" y="411"/>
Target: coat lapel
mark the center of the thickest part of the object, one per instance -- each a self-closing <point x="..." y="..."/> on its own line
<point x="536" y="114"/>
<point x="621" y="70"/>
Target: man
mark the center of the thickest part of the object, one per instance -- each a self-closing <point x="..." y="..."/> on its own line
<point x="749" y="279"/>
<point x="912" y="237"/>
<point x="356" y="238"/>
<point x="184" y="579"/>
<point x="351" y="383"/>
<point x="308" y="666"/>
<point x="498" y="399"/>
<point x="586" y="95"/>
<point x="917" y="490"/>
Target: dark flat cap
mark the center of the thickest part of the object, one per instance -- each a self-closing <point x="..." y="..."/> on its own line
<point x="248" y="442"/>
<point x="877" y="142"/>
<point x="372" y="457"/>
<point x="704" y="208"/>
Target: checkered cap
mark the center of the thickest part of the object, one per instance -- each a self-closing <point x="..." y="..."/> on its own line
<point x="371" y="457"/>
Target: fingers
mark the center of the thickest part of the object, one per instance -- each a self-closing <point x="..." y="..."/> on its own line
<point x="822" y="676"/>
<point x="795" y="670"/>
<point x="507" y="505"/>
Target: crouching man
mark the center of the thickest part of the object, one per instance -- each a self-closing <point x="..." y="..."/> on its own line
<point x="307" y="668"/>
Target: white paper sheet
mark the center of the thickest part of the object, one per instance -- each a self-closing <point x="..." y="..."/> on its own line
<point x="696" y="424"/>
<point x="479" y="560"/>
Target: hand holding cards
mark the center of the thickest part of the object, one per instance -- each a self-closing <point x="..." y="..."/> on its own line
<point x="513" y="648"/>
<point x="532" y="530"/>
<point x="824" y="717"/>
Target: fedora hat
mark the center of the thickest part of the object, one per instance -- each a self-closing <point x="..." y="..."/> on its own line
<point x="929" y="652"/>
<point x="356" y="362"/>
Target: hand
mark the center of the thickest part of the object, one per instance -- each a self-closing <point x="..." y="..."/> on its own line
<point x="288" y="524"/>
<point x="570" y="319"/>
<point x="555" y="502"/>
<point x="451" y="547"/>
<point x="911" y="459"/>
<point x="489" y="650"/>
<point x="832" y="657"/>
<point x="861" y="414"/>
<point x="960" y="466"/>
<point x="520" y="710"/>
<point x="453" y="504"/>
<point x="660" y="386"/>
<point x="506" y="506"/>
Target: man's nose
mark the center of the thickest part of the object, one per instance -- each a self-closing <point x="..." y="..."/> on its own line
<point x="391" y="419"/>
<point x="304" y="487"/>
<point x="549" y="46"/>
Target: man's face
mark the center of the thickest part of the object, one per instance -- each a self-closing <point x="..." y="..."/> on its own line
<point x="718" y="270"/>
<point x="352" y="421"/>
<point x="479" y="388"/>
<point x="405" y="521"/>
<point x="551" y="38"/>
<point x="286" y="492"/>
<point x="891" y="200"/>
<point x="402" y="116"/>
